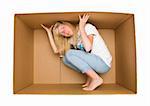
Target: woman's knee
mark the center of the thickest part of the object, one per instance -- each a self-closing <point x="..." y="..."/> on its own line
<point x="65" y="60"/>
<point x="69" y="53"/>
<point x="67" y="63"/>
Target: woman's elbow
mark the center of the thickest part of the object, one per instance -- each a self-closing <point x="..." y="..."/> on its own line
<point x="56" y="52"/>
<point x="88" y="49"/>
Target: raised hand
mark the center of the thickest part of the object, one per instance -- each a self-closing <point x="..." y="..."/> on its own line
<point x="47" y="29"/>
<point x="50" y="36"/>
<point x="83" y="20"/>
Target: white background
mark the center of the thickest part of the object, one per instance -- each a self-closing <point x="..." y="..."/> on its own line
<point x="140" y="8"/>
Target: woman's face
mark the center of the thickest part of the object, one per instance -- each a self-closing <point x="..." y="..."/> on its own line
<point x="65" y="30"/>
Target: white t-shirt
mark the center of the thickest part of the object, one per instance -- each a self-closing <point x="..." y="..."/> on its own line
<point x="99" y="47"/>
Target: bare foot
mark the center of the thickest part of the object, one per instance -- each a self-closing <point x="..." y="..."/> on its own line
<point x="87" y="82"/>
<point x="94" y="84"/>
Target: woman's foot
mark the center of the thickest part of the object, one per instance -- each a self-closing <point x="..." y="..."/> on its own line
<point x="94" y="83"/>
<point x="87" y="82"/>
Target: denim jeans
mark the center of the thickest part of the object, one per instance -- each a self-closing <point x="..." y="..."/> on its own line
<point x="82" y="61"/>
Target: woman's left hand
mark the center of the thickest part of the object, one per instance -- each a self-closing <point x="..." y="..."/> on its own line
<point x="83" y="20"/>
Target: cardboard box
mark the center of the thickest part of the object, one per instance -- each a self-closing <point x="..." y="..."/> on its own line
<point x="37" y="70"/>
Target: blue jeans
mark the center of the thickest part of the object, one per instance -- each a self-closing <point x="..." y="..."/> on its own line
<point x="82" y="61"/>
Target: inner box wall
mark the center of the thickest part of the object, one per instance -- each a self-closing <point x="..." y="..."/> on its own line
<point x="49" y="68"/>
<point x="23" y="55"/>
<point x="126" y="54"/>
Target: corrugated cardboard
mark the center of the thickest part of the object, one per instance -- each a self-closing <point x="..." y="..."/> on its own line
<point x="37" y="70"/>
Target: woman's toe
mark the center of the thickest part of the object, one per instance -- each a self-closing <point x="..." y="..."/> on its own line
<point x="85" y="85"/>
<point x="86" y="89"/>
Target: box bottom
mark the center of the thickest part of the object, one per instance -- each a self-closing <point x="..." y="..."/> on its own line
<point x="73" y="89"/>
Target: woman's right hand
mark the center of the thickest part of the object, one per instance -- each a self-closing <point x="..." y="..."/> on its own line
<point x="46" y="28"/>
<point x="50" y="36"/>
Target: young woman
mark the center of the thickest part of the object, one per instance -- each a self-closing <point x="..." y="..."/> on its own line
<point x="82" y="49"/>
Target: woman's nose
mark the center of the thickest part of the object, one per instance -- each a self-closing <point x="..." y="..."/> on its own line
<point x="65" y="32"/>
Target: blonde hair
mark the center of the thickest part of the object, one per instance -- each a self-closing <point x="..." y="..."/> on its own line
<point x="63" y="44"/>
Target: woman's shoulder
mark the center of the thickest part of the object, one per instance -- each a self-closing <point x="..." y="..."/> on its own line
<point x="90" y="29"/>
<point x="90" y="24"/>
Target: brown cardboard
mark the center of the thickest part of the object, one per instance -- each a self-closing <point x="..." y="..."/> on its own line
<point x="23" y="56"/>
<point x="37" y="70"/>
<point x="125" y="43"/>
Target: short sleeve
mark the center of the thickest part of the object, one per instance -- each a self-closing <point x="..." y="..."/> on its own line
<point x="90" y="29"/>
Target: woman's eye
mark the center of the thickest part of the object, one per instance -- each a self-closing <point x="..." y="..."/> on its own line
<point x="63" y="33"/>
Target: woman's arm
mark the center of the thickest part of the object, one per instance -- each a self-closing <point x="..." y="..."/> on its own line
<point x="87" y="40"/>
<point x="51" y="40"/>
